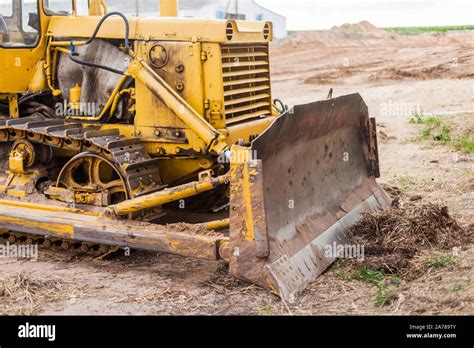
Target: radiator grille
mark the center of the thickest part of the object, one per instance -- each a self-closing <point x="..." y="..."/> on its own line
<point x="246" y="74"/>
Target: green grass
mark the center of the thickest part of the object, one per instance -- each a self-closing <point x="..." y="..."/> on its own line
<point x="406" y="181"/>
<point x="435" y="128"/>
<point x="435" y="29"/>
<point x="441" y="262"/>
<point x="367" y="276"/>
<point x="376" y="278"/>
<point x="404" y="30"/>
<point x="464" y="144"/>
<point x="417" y="118"/>
<point x="395" y="281"/>
<point x="469" y="174"/>
<point x="340" y="269"/>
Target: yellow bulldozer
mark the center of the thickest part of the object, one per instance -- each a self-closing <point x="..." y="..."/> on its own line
<point x="162" y="134"/>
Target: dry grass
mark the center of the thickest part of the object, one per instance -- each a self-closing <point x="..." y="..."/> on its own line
<point x="394" y="237"/>
<point x="224" y="284"/>
<point x="404" y="247"/>
<point x="24" y="293"/>
<point x="168" y="293"/>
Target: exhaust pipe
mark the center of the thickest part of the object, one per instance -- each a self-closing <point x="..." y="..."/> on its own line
<point x="169" y="8"/>
<point x="96" y="8"/>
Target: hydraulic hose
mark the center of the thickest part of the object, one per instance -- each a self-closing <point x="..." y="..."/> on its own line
<point x="283" y="107"/>
<point x="30" y="96"/>
<point x="94" y="36"/>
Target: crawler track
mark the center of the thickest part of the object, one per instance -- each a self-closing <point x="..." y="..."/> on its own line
<point x="90" y="249"/>
<point x="139" y="171"/>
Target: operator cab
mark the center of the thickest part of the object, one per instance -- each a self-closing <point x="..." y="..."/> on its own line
<point x="20" y="21"/>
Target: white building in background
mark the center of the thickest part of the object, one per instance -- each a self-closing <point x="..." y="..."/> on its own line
<point x="220" y="9"/>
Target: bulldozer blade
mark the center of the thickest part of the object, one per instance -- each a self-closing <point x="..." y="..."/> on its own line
<point x="311" y="177"/>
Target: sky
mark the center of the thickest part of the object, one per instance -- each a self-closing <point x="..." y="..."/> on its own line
<point x="324" y="14"/>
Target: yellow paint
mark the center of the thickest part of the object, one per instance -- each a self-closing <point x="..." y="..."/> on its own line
<point x="164" y="28"/>
<point x="38" y="81"/>
<point x="248" y="232"/>
<point x="129" y="91"/>
<point x="67" y="231"/>
<point x="248" y="130"/>
<point x="165" y="196"/>
<point x="12" y="102"/>
<point x="184" y="96"/>
<point x="75" y="97"/>
<point x="44" y="207"/>
<point x="194" y="44"/>
<point x="169" y="8"/>
<point x="174" y="245"/>
<point x="141" y="71"/>
<point x="104" y="7"/>
<point x="16" y="193"/>
<point x="107" y="105"/>
<point x="172" y="170"/>
<point x="19" y="65"/>
<point x="218" y="225"/>
<point x="272" y="287"/>
<point x="16" y="162"/>
<point x="95" y="8"/>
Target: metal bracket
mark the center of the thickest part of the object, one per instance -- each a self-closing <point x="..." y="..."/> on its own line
<point x="205" y="175"/>
<point x="373" y="148"/>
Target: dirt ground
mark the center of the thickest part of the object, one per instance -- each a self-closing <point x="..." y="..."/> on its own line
<point x="397" y="76"/>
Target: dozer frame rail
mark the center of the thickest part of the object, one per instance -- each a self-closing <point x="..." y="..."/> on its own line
<point x="198" y="241"/>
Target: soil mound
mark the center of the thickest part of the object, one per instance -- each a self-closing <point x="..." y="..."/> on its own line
<point x="359" y="34"/>
<point x="394" y="237"/>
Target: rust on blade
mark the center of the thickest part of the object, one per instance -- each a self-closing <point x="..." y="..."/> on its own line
<point x="319" y="164"/>
<point x="249" y="222"/>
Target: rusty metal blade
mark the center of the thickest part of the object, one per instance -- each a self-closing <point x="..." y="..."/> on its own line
<point x="318" y="165"/>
